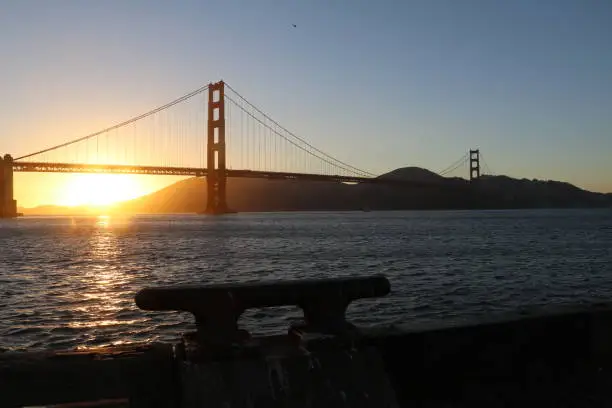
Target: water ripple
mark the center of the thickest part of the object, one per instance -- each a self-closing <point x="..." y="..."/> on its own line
<point x="70" y="282"/>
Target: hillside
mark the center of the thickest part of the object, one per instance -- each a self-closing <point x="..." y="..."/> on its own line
<point x="413" y="174"/>
<point x="245" y="195"/>
<point x="515" y="193"/>
<point x="61" y="210"/>
<point x="249" y="195"/>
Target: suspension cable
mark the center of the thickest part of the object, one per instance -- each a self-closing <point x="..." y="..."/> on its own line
<point x="355" y="169"/>
<point x="291" y="141"/>
<point x="127" y="122"/>
<point x="454" y="166"/>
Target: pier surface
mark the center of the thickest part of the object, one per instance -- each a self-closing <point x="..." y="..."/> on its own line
<point x="552" y="357"/>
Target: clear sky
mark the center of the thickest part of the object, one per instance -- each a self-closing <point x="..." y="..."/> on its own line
<point x="379" y="84"/>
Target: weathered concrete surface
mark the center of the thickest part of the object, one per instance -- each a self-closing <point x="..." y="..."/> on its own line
<point x="142" y="374"/>
<point x="320" y="379"/>
<point x="560" y="359"/>
<point x="549" y="358"/>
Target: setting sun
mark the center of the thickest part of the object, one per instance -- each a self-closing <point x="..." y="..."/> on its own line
<point x="99" y="189"/>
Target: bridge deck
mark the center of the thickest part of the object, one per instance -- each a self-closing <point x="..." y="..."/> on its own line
<point x="40" y="167"/>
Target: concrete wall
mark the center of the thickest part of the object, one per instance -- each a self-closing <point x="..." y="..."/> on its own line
<point x="556" y="359"/>
<point x="560" y="358"/>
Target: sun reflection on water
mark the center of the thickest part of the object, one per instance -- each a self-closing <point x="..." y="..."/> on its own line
<point x="104" y="283"/>
<point x="103" y="221"/>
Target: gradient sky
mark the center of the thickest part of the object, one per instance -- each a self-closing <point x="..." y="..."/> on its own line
<point x="379" y="84"/>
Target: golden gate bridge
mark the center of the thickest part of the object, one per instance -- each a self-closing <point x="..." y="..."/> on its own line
<point x="241" y="141"/>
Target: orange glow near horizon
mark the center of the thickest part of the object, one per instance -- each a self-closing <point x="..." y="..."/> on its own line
<point x="99" y="189"/>
<point x="96" y="190"/>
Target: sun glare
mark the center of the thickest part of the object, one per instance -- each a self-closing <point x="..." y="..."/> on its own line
<point x="99" y="189"/>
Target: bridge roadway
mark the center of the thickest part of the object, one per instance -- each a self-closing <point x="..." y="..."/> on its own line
<point x="41" y="167"/>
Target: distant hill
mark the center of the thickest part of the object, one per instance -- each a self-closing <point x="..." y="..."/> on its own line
<point x="246" y="194"/>
<point x="524" y="193"/>
<point x="413" y="174"/>
<point x="63" y="210"/>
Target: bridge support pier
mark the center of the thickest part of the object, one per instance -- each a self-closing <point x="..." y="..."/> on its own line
<point x="216" y="177"/>
<point x="8" y="205"/>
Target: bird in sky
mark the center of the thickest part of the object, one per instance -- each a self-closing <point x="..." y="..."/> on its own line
<point x="293" y="25"/>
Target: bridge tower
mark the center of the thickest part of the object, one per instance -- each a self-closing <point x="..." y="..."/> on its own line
<point x="215" y="151"/>
<point x="474" y="164"/>
<point x="8" y="205"/>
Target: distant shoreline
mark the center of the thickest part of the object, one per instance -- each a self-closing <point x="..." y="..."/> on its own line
<point x="321" y="211"/>
<point x="248" y="195"/>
